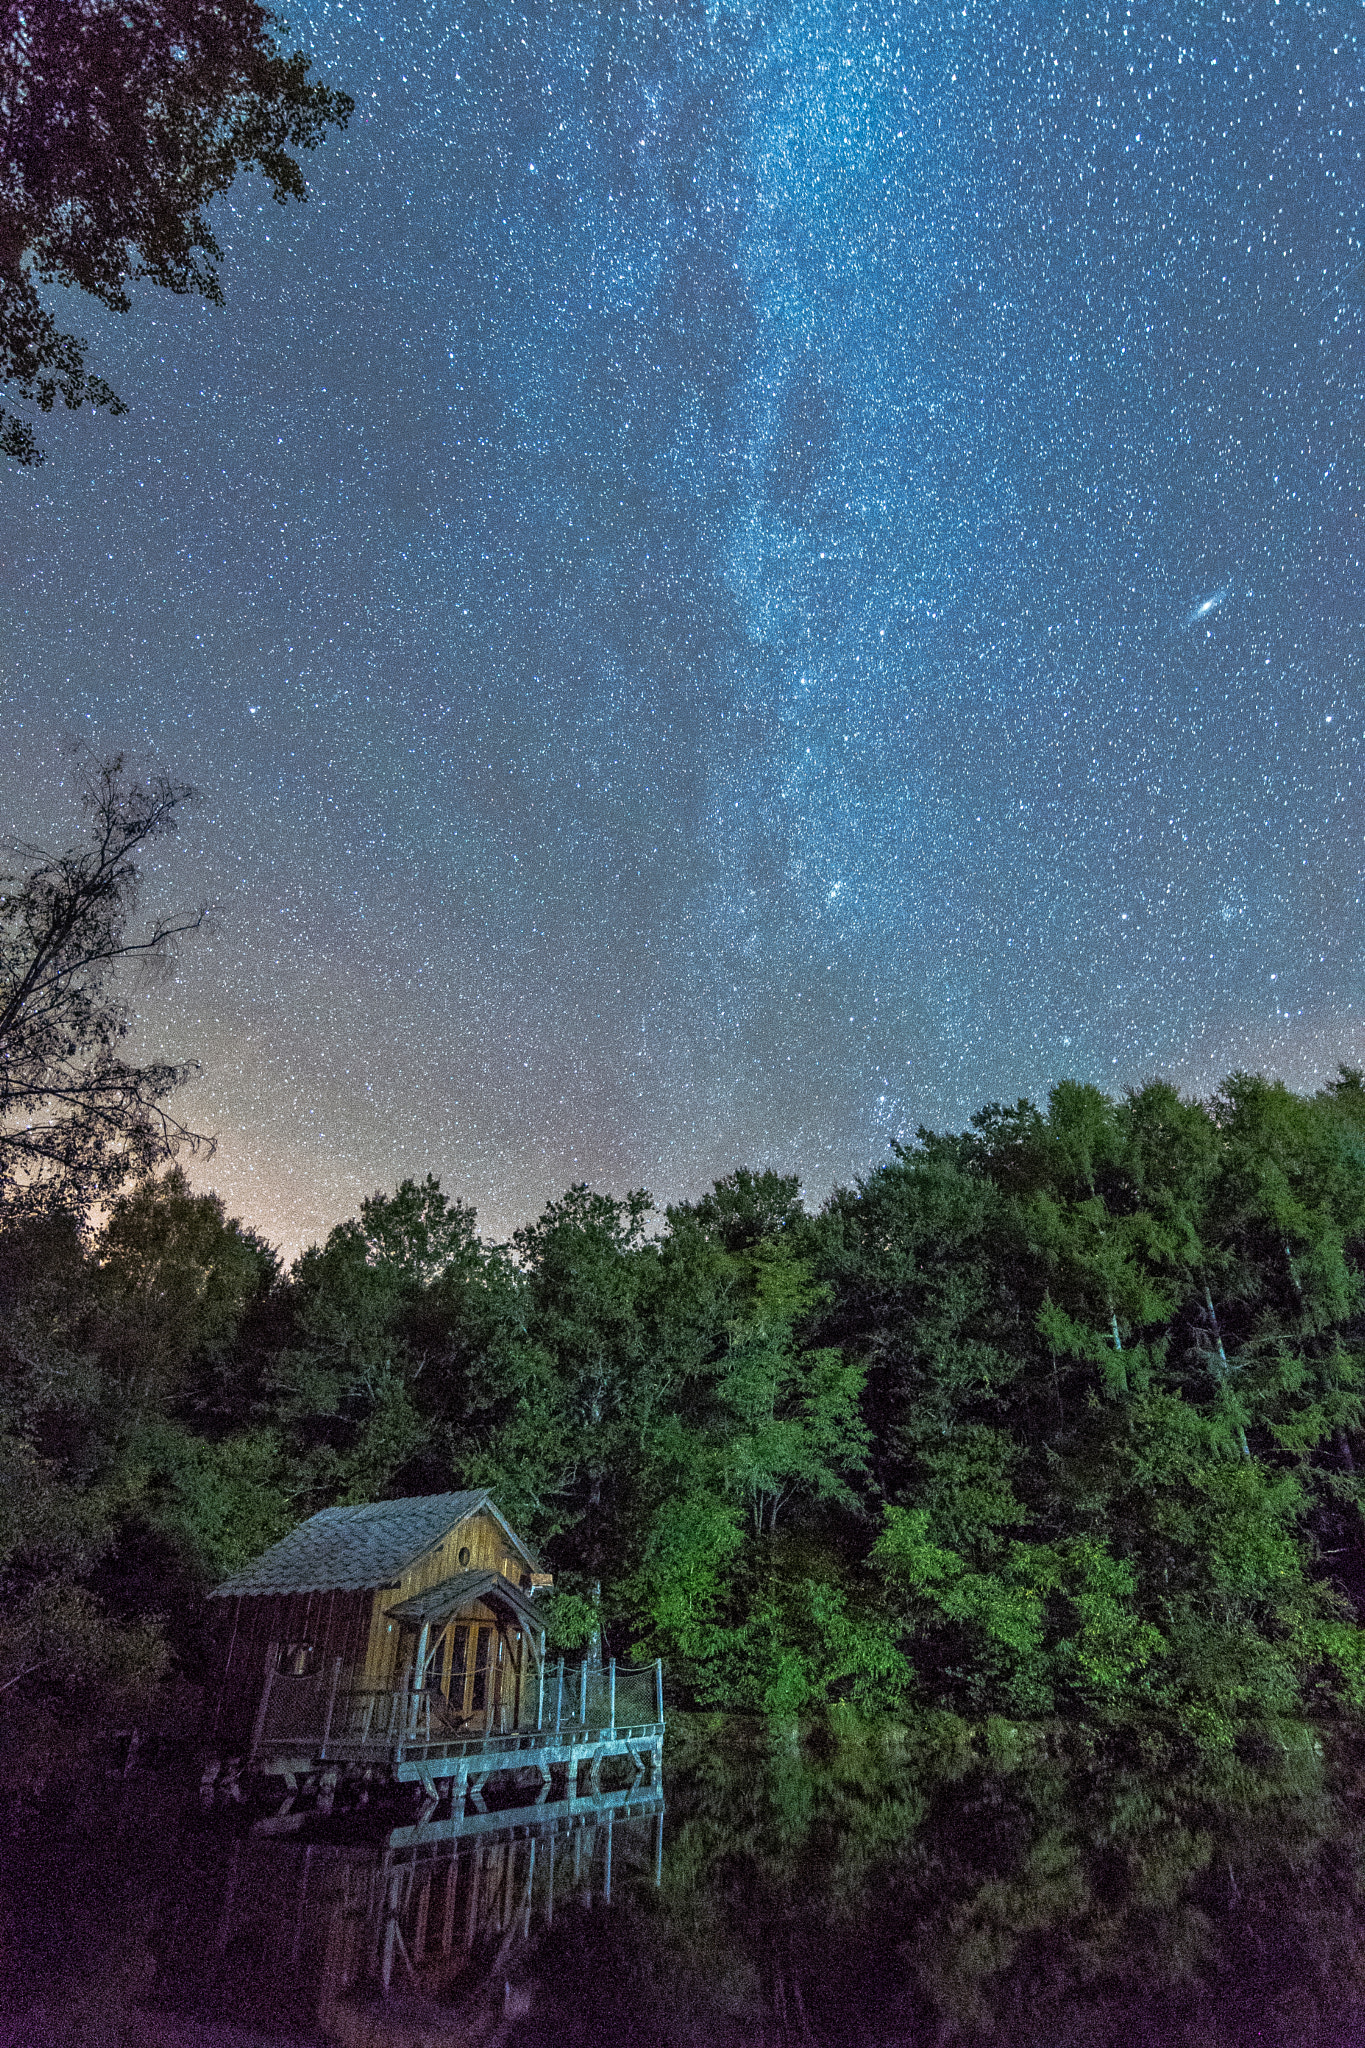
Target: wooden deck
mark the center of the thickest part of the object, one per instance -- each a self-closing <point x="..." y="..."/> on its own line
<point x="314" y="1735"/>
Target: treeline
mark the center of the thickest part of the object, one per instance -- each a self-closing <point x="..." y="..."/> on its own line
<point x="1059" y="1414"/>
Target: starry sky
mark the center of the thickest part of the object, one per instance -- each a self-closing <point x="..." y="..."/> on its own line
<point x="740" y="579"/>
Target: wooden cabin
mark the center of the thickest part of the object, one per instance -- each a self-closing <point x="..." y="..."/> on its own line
<point x="432" y="1596"/>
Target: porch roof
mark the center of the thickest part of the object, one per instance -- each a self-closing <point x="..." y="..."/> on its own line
<point x="350" y="1550"/>
<point x="440" y="1604"/>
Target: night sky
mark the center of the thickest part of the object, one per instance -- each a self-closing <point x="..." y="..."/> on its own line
<point x="737" y="581"/>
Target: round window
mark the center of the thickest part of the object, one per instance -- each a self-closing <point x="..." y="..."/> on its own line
<point x="464" y="1553"/>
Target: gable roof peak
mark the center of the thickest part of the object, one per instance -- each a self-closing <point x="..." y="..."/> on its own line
<point x="353" y="1549"/>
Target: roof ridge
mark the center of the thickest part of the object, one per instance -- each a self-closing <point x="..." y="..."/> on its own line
<point x="363" y="1545"/>
<point x="404" y="1501"/>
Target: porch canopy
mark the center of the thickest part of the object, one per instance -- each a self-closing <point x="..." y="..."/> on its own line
<point x="440" y="1604"/>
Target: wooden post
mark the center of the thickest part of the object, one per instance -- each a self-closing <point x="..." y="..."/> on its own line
<point x="611" y="1698"/>
<point x="423" y="1636"/>
<point x="559" y="1697"/>
<point x="331" y="1705"/>
<point x="303" y="1901"/>
<point x="659" y="1689"/>
<point x="659" y="1851"/>
<point x="606" y="1866"/>
<point x="230" y="1893"/>
<point x="509" y="1876"/>
<point x="471" y="1923"/>
<point x="399" y="1721"/>
<point x="392" y="1898"/>
<point x="550" y="1880"/>
<point x="419" y="1932"/>
<point x="583" y="1692"/>
<point x="540" y="1685"/>
<point x="272" y="1658"/>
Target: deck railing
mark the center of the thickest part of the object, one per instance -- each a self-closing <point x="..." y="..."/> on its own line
<point x="327" y="1714"/>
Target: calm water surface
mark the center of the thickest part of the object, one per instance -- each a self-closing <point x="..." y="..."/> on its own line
<point x="805" y="1887"/>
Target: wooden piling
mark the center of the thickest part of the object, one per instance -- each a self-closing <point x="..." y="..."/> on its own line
<point x="272" y="1658"/>
<point x="331" y="1706"/>
<point x="448" y="1914"/>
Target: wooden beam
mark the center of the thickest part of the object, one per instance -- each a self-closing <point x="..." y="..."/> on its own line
<point x="419" y="1932"/>
<point x="331" y="1706"/>
<point x="448" y="1915"/>
<point x="528" y="1820"/>
<point x="471" y="1923"/>
<point x="272" y="1658"/>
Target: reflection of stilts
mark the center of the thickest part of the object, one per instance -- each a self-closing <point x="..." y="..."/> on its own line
<point x="393" y="1933"/>
<point x="432" y="1911"/>
<point x="230" y="1892"/>
<point x="303" y="1900"/>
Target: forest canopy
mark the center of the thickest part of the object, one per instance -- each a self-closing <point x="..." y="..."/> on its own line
<point x="1057" y="1415"/>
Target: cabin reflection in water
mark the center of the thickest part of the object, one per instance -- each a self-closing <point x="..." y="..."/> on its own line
<point x="418" y="1937"/>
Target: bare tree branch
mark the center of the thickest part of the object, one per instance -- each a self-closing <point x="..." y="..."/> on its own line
<point x="76" y="1119"/>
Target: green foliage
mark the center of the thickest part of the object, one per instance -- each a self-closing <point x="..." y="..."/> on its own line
<point x="1114" y="1366"/>
<point x="571" y="1620"/>
<point x="177" y="1276"/>
<point x="1056" y="1415"/>
<point x="221" y="1502"/>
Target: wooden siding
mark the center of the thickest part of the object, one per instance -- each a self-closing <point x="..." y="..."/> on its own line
<point x="329" y="1625"/>
<point x="489" y="1550"/>
<point x="349" y="1625"/>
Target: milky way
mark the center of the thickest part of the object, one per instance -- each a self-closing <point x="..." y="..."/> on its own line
<point x="738" y="580"/>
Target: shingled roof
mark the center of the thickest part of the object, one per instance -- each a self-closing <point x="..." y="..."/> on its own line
<point x="349" y="1550"/>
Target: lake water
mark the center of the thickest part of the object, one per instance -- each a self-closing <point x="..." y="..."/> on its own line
<point x="831" y="1886"/>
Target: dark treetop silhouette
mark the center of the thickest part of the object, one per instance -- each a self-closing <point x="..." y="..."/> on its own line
<point x="77" y="1119"/>
<point x="119" y="124"/>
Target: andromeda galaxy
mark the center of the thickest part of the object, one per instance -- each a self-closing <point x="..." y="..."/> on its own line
<point x="1207" y="605"/>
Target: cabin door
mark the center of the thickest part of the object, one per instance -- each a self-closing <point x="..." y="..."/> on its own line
<point x="475" y="1669"/>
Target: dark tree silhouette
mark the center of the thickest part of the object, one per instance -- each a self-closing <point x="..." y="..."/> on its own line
<point x="76" y="1118"/>
<point x="120" y="120"/>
